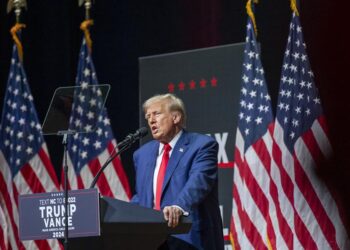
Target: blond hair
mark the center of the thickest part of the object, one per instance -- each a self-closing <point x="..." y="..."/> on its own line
<point x="173" y="104"/>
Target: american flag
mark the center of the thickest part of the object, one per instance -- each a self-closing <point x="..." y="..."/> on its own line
<point x="88" y="151"/>
<point x="253" y="224"/>
<point x="25" y="166"/>
<point x="300" y="145"/>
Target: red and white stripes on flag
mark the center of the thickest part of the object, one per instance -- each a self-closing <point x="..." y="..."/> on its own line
<point x="254" y="224"/>
<point x="37" y="176"/>
<point x="314" y="218"/>
<point x="3" y="230"/>
<point x="113" y="182"/>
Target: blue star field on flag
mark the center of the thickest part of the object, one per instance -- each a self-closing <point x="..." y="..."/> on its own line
<point x="88" y="115"/>
<point x="298" y="101"/>
<point x="20" y="130"/>
<point x="255" y="106"/>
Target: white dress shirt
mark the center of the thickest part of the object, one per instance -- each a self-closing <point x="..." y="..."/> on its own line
<point x="172" y="144"/>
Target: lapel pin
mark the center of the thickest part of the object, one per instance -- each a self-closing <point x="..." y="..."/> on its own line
<point x="181" y="150"/>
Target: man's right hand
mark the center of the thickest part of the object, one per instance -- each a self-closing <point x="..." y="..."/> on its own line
<point x="172" y="214"/>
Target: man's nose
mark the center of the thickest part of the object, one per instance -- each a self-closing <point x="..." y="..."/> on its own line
<point x="152" y="119"/>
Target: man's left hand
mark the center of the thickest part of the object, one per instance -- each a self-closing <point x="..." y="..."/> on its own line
<point x="172" y="214"/>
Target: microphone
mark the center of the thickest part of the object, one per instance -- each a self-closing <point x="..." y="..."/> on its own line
<point x="131" y="138"/>
<point x="123" y="145"/>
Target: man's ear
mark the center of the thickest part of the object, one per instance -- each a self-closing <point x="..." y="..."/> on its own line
<point x="176" y="117"/>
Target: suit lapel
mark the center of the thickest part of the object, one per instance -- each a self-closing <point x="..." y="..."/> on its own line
<point x="178" y="152"/>
<point x="148" y="178"/>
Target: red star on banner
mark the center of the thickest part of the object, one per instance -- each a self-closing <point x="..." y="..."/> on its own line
<point x="203" y="83"/>
<point x="171" y="87"/>
<point x="214" y="82"/>
<point x="192" y="84"/>
<point x="181" y="86"/>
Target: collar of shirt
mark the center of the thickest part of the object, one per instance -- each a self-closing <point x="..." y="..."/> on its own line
<point x="172" y="143"/>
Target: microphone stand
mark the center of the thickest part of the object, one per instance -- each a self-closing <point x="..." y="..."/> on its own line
<point x="110" y="159"/>
<point x="123" y="145"/>
<point x="65" y="169"/>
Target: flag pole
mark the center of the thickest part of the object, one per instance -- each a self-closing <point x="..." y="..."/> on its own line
<point x="87" y="4"/>
<point x="84" y="26"/>
<point x="17" y="5"/>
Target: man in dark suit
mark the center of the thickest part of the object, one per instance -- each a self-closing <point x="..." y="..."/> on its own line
<point x="177" y="173"/>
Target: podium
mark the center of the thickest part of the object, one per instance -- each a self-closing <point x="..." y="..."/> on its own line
<point x="128" y="226"/>
<point x="94" y="222"/>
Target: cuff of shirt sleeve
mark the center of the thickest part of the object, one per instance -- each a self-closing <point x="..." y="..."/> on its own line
<point x="184" y="213"/>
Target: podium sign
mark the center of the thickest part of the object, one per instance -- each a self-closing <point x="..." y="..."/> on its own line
<point x="42" y="215"/>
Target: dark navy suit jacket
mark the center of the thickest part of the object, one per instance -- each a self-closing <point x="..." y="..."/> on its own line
<point x="191" y="182"/>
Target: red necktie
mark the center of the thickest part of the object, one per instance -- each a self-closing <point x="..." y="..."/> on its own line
<point x="161" y="174"/>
